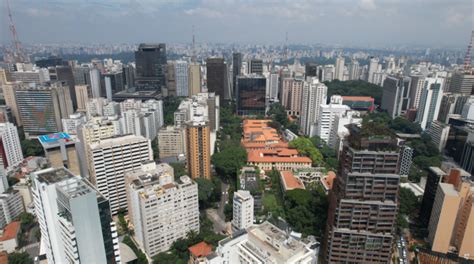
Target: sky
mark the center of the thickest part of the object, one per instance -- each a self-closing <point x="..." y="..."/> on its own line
<point x="432" y="23"/>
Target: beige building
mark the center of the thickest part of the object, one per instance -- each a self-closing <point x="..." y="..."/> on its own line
<point x="10" y="100"/>
<point x="161" y="208"/>
<point x="452" y="218"/>
<point x="292" y="90"/>
<point x="60" y="149"/>
<point x="171" y="142"/>
<point x="194" y="79"/>
<point x="198" y="156"/>
<point x="82" y="96"/>
<point x="97" y="129"/>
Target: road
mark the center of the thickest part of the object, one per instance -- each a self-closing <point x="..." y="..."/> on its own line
<point x="218" y="223"/>
<point x="224" y="199"/>
<point x="402" y="253"/>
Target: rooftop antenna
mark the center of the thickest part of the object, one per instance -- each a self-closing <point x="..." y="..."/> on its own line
<point x="19" y="55"/>
<point x="286" y="45"/>
<point x="467" y="58"/>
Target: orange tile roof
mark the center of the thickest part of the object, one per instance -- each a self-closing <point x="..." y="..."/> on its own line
<point x="276" y="155"/>
<point x="358" y="98"/>
<point x="3" y="257"/>
<point x="201" y="249"/>
<point x="290" y="181"/>
<point x="328" y="180"/>
<point x="10" y="231"/>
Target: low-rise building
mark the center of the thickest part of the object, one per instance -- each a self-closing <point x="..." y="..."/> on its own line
<point x="242" y="210"/>
<point x="279" y="159"/>
<point x="9" y="237"/>
<point x="289" y="181"/>
<point x="11" y="206"/>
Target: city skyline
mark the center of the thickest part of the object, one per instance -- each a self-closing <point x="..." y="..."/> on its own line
<point x="399" y="22"/>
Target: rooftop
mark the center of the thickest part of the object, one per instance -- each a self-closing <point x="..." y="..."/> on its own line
<point x="10" y="231"/>
<point x="328" y="180"/>
<point x="358" y="98"/>
<point x="53" y="140"/>
<point x="290" y="182"/>
<point x="54" y="175"/>
<point x="201" y="249"/>
<point x="276" y="155"/>
<point x="437" y="171"/>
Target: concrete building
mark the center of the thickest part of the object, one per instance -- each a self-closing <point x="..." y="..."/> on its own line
<point x="265" y="243"/>
<point x="430" y="101"/>
<point x="217" y="79"/>
<point x="327" y="117"/>
<point x="452" y="219"/>
<point x="370" y="232"/>
<point x="439" y="133"/>
<point x="236" y="70"/>
<point x="354" y="70"/>
<point x="416" y="89"/>
<point x="72" y="123"/>
<point x="11" y="206"/>
<point x="279" y="159"/>
<point x="273" y="84"/>
<point x="256" y="66"/>
<point x="41" y="108"/>
<point x="109" y="160"/>
<point x="249" y="181"/>
<point x="194" y="79"/>
<point x="198" y="149"/>
<point x="10" y="100"/>
<point x="435" y="175"/>
<point x="373" y="67"/>
<point x="243" y="209"/>
<point x="182" y="80"/>
<point x="60" y="150"/>
<point x="251" y="95"/>
<point x="396" y="95"/>
<point x="339" y="74"/>
<point x="172" y="142"/>
<point x="97" y="129"/>
<point x="9" y="237"/>
<point x="74" y="218"/>
<point x="150" y="60"/>
<point x="291" y="95"/>
<point x="462" y="83"/>
<point x="339" y="130"/>
<point x="161" y="209"/>
<point x="10" y="147"/>
<point x="314" y="94"/>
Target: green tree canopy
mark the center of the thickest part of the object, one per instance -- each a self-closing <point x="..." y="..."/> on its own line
<point x="355" y="88"/>
<point x="403" y="125"/>
<point x="19" y="258"/>
<point x="228" y="161"/>
<point x="305" y="147"/>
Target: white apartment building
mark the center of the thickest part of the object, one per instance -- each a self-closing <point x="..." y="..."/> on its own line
<point x="373" y="67"/>
<point x="243" y="208"/>
<point x="71" y="124"/>
<point x="11" y="206"/>
<point x="264" y="244"/>
<point x="339" y="74"/>
<point x="339" y="130"/>
<point x="430" y="101"/>
<point x="439" y="133"/>
<point x="314" y="94"/>
<point x="327" y="116"/>
<point x="109" y="160"/>
<point x="10" y="147"/>
<point x="161" y="209"/>
<point x="74" y="219"/>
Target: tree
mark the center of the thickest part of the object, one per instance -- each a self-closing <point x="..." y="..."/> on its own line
<point x="26" y="219"/>
<point x="277" y="112"/>
<point x="142" y="259"/>
<point x="155" y="148"/>
<point x="229" y="161"/>
<point x="170" y="105"/>
<point x="19" y="258"/>
<point x="305" y="147"/>
<point x="402" y="125"/>
<point x="31" y="147"/>
<point x="165" y="258"/>
<point x="179" y="169"/>
<point x="355" y="88"/>
<point x="12" y="181"/>
<point x="208" y="192"/>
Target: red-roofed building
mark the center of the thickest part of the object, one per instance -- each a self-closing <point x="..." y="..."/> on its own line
<point x="327" y="181"/>
<point x="9" y="238"/>
<point x="279" y="159"/>
<point x="290" y="182"/>
<point x="199" y="252"/>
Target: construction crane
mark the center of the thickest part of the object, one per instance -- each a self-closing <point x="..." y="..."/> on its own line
<point x="18" y="53"/>
<point x="467" y="58"/>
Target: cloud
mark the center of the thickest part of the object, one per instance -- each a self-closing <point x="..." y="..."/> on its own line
<point x="368" y="5"/>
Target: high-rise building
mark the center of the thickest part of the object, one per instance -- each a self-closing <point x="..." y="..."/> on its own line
<point x="430" y="102"/>
<point x="96" y="89"/>
<point x="11" y="206"/>
<point x="128" y="76"/>
<point x="439" y="133"/>
<point x="373" y="67"/>
<point x="150" y="60"/>
<point x="74" y="218"/>
<point x="273" y="81"/>
<point x="171" y="142"/>
<point x="10" y="100"/>
<point x="198" y="148"/>
<point x="83" y="93"/>
<point x="61" y="151"/>
<point x="216" y="73"/>
<point x="110" y="159"/>
<point x="170" y="77"/>
<point x="311" y="70"/>
<point x="236" y="67"/>
<point x="113" y="82"/>
<point x="256" y="66"/>
<point x="416" y="89"/>
<point x="354" y="70"/>
<point x="251" y="95"/>
<point x="462" y="83"/>
<point x="182" y="82"/>
<point x="10" y="147"/>
<point x="339" y="74"/>
<point x="396" y="95"/>
<point x="242" y="217"/>
<point x="41" y="108"/>
<point x="314" y="94"/>
<point x="327" y="117"/>
<point x="161" y="209"/>
<point x="194" y="79"/>
<point x="452" y="219"/>
<point x="291" y="95"/>
<point x="64" y="74"/>
<point x="435" y="175"/>
<point x="368" y="185"/>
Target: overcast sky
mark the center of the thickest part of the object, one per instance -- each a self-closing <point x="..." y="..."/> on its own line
<point x="361" y="22"/>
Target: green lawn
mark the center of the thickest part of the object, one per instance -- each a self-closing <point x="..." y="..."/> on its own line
<point x="270" y="204"/>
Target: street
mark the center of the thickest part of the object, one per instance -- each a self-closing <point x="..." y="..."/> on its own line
<point x="402" y="251"/>
<point x="224" y="199"/>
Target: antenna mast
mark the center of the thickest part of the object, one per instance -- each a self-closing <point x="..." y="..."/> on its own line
<point x="19" y="55"/>
<point x="467" y="58"/>
<point x="193" y="57"/>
